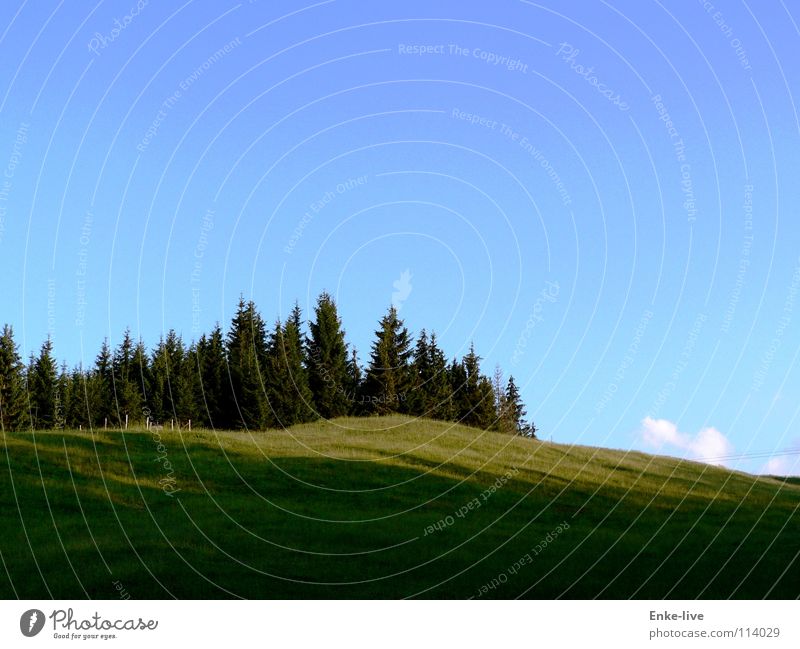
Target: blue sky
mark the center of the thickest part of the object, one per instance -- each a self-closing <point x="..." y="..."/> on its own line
<point x="602" y="195"/>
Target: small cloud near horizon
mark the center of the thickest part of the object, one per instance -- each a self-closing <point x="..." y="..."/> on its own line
<point x="709" y="445"/>
<point x="783" y="465"/>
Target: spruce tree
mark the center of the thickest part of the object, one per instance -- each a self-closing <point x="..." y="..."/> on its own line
<point x="100" y="391"/>
<point x="75" y="402"/>
<point x="167" y="394"/>
<point x="419" y="401"/>
<point x="438" y="387"/>
<point x="247" y="358"/>
<point x="127" y="394"/>
<point x="212" y="366"/>
<point x="12" y="384"/>
<point x="515" y="411"/>
<point x="43" y="386"/>
<point x="61" y="398"/>
<point x="502" y="421"/>
<point x="289" y="392"/>
<point x="459" y="401"/>
<point x="389" y="377"/>
<point x="186" y="388"/>
<point x="327" y="360"/>
<point x="477" y="402"/>
<point x="355" y="384"/>
<point x="140" y="377"/>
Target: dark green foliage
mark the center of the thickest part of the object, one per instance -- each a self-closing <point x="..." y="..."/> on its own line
<point x="514" y="411"/>
<point x="355" y="384"/>
<point x="431" y="394"/>
<point x="101" y="406"/>
<point x="126" y="382"/>
<point x="13" y="406"/>
<point x="75" y="410"/>
<point x="43" y="388"/>
<point x="288" y="392"/>
<point x="247" y="360"/>
<point x="327" y="360"/>
<point x="169" y="393"/>
<point x="474" y="395"/>
<point x="140" y="377"/>
<point x="248" y="379"/>
<point x="212" y="366"/>
<point x="457" y="378"/>
<point x="389" y="377"/>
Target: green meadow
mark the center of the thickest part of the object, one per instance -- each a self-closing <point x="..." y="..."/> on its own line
<point x="386" y="507"/>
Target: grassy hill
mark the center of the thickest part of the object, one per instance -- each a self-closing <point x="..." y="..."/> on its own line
<point x="389" y="507"/>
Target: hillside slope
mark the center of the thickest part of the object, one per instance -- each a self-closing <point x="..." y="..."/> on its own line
<point x="389" y="507"/>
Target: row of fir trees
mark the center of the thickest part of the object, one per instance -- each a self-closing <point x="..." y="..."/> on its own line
<point x="256" y="378"/>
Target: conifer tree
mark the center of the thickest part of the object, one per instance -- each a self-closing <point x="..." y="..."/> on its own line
<point x="100" y="392"/>
<point x="389" y="375"/>
<point x="12" y="384"/>
<point x="75" y="401"/>
<point x="42" y="387"/>
<point x="247" y="358"/>
<point x="140" y="377"/>
<point x="419" y="402"/>
<point x="212" y="367"/>
<point x="287" y="382"/>
<point x="327" y="360"/>
<point x="127" y="394"/>
<point x="186" y="388"/>
<point x="296" y="365"/>
<point x="438" y="388"/>
<point x="515" y="411"/>
<point x="354" y="384"/>
<point x="501" y="411"/>
<point x="457" y="378"/>
<point x="477" y="402"/>
<point x="61" y="398"/>
<point x="167" y="387"/>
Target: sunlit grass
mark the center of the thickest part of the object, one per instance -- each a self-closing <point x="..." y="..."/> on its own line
<point x="345" y="509"/>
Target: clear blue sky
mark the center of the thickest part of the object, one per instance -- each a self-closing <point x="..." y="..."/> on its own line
<point x="603" y="196"/>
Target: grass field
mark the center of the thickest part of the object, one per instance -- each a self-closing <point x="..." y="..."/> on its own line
<point x="380" y="508"/>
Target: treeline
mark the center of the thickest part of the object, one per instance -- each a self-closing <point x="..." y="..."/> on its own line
<point x="257" y="377"/>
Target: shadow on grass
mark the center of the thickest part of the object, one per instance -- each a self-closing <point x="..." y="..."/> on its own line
<point x="240" y="525"/>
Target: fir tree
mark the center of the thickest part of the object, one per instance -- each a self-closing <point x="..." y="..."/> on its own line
<point x="502" y="421"/>
<point x="477" y="402"/>
<point x="287" y="382"/>
<point x="327" y="360"/>
<point x="438" y="387"/>
<point x="75" y="401"/>
<point x="186" y="388"/>
<point x="515" y="412"/>
<point x="296" y="366"/>
<point x="212" y="366"/>
<point x="100" y="390"/>
<point x="140" y="378"/>
<point x="167" y="387"/>
<point x="419" y="402"/>
<point x="43" y="386"/>
<point x="61" y="398"/>
<point x="355" y="384"/>
<point x="389" y="376"/>
<point x="127" y="394"/>
<point x="247" y="357"/>
<point x="12" y="384"/>
<point x="457" y="378"/>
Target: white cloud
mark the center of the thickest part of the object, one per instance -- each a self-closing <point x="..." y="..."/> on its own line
<point x="709" y="445"/>
<point x="782" y="465"/>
